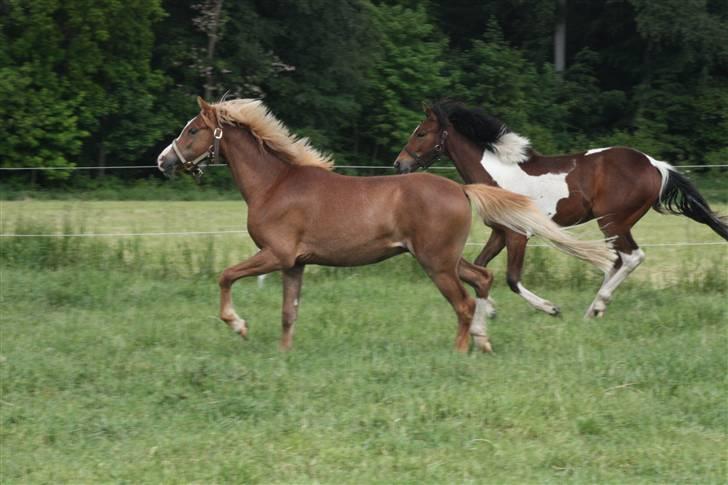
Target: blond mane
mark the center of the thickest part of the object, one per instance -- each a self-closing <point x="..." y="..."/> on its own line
<point x="270" y="132"/>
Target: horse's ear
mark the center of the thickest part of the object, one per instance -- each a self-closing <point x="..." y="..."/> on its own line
<point x="207" y="112"/>
<point x="204" y="105"/>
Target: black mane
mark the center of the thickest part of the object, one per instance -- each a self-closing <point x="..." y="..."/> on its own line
<point x="473" y="123"/>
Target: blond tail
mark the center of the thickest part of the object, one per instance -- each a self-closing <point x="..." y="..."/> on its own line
<point x="518" y="213"/>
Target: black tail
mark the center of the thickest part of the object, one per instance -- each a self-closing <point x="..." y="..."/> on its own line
<point x="681" y="197"/>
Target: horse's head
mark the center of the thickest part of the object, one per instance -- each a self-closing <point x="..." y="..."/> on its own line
<point x="425" y="145"/>
<point x="198" y="140"/>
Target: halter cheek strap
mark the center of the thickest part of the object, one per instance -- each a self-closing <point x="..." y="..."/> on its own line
<point x="424" y="161"/>
<point x="195" y="167"/>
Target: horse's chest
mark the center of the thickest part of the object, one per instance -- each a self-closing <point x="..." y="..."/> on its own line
<point x="546" y="190"/>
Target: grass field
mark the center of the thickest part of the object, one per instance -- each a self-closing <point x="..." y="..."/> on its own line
<point x="114" y="367"/>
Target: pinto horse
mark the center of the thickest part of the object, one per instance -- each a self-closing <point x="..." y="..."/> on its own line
<point x="300" y="212"/>
<point x="616" y="186"/>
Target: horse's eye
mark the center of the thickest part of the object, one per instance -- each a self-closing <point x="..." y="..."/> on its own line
<point x="193" y="131"/>
<point x="421" y="135"/>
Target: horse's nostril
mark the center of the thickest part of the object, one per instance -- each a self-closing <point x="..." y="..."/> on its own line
<point x="396" y="165"/>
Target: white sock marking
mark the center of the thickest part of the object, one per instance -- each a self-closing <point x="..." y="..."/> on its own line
<point x="478" y="325"/>
<point x="535" y="300"/>
<point x="238" y="325"/>
<point x="613" y="279"/>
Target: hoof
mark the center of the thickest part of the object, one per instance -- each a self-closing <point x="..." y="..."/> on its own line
<point x="596" y="311"/>
<point x="240" y="327"/>
<point x="482" y="343"/>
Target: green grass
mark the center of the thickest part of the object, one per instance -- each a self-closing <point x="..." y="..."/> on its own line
<point x="114" y="367"/>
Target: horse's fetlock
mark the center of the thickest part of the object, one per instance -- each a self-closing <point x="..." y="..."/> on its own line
<point x="289" y="317"/>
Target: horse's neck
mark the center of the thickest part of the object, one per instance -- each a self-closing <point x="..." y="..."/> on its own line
<point x="254" y="169"/>
<point x="466" y="157"/>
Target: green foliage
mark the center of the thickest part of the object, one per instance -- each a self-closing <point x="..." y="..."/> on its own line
<point x="41" y="123"/>
<point x="406" y="71"/>
<point x="101" y="83"/>
<point x="82" y="79"/>
<point x="318" y="90"/>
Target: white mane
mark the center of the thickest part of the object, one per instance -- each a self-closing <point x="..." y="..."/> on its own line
<point x="512" y="148"/>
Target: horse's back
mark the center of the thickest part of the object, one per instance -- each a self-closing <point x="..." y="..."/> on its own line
<point x="369" y="218"/>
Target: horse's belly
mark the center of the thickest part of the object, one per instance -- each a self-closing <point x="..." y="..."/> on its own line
<point x="349" y="251"/>
<point x="546" y="190"/>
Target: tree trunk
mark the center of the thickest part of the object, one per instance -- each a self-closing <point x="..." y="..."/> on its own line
<point x="212" y="37"/>
<point x="560" y="37"/>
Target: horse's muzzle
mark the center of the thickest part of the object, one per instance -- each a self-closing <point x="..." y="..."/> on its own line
<point x="167" y="162"/>
<point x="404" y="166"/>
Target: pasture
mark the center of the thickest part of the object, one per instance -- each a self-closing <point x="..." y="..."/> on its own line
<point x="115" y="368"/>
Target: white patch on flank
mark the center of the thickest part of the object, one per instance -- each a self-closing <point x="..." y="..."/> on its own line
<point x="512" y="148"/>
<point x="595" y="150"/>
<point x="477" y="325"/>
<point x="664" y="169"/>
<point x="546" y="190"/>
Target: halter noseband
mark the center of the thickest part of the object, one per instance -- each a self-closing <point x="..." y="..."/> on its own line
<point x="195" y="167"/>
<point x="424" y="161"/>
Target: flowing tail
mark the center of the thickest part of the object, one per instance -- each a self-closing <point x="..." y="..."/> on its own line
<point x="518" y="213"/>
<point x="679" y="196"/>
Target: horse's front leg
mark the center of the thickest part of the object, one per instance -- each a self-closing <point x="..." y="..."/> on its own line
<point x="516" y="246"/>
<point x="262" y="262"/>
<point x="292" y="281"/>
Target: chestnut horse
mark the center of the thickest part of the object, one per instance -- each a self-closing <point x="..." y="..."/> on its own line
<point x="300" y="212"/>
<point x="616" y="186"/>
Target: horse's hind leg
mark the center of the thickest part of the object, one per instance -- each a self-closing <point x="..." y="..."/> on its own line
<point x="496" y="243"/>
<point x="630" y="256"/>
<point x="292" y="280"/>
<point x="481" y="280"/>
<point x="516" y="246"/>
<point x="453" y="290"/>
<point x="262" y="262"/>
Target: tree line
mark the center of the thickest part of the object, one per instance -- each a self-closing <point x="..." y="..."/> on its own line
<point x="110" y="82"/>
